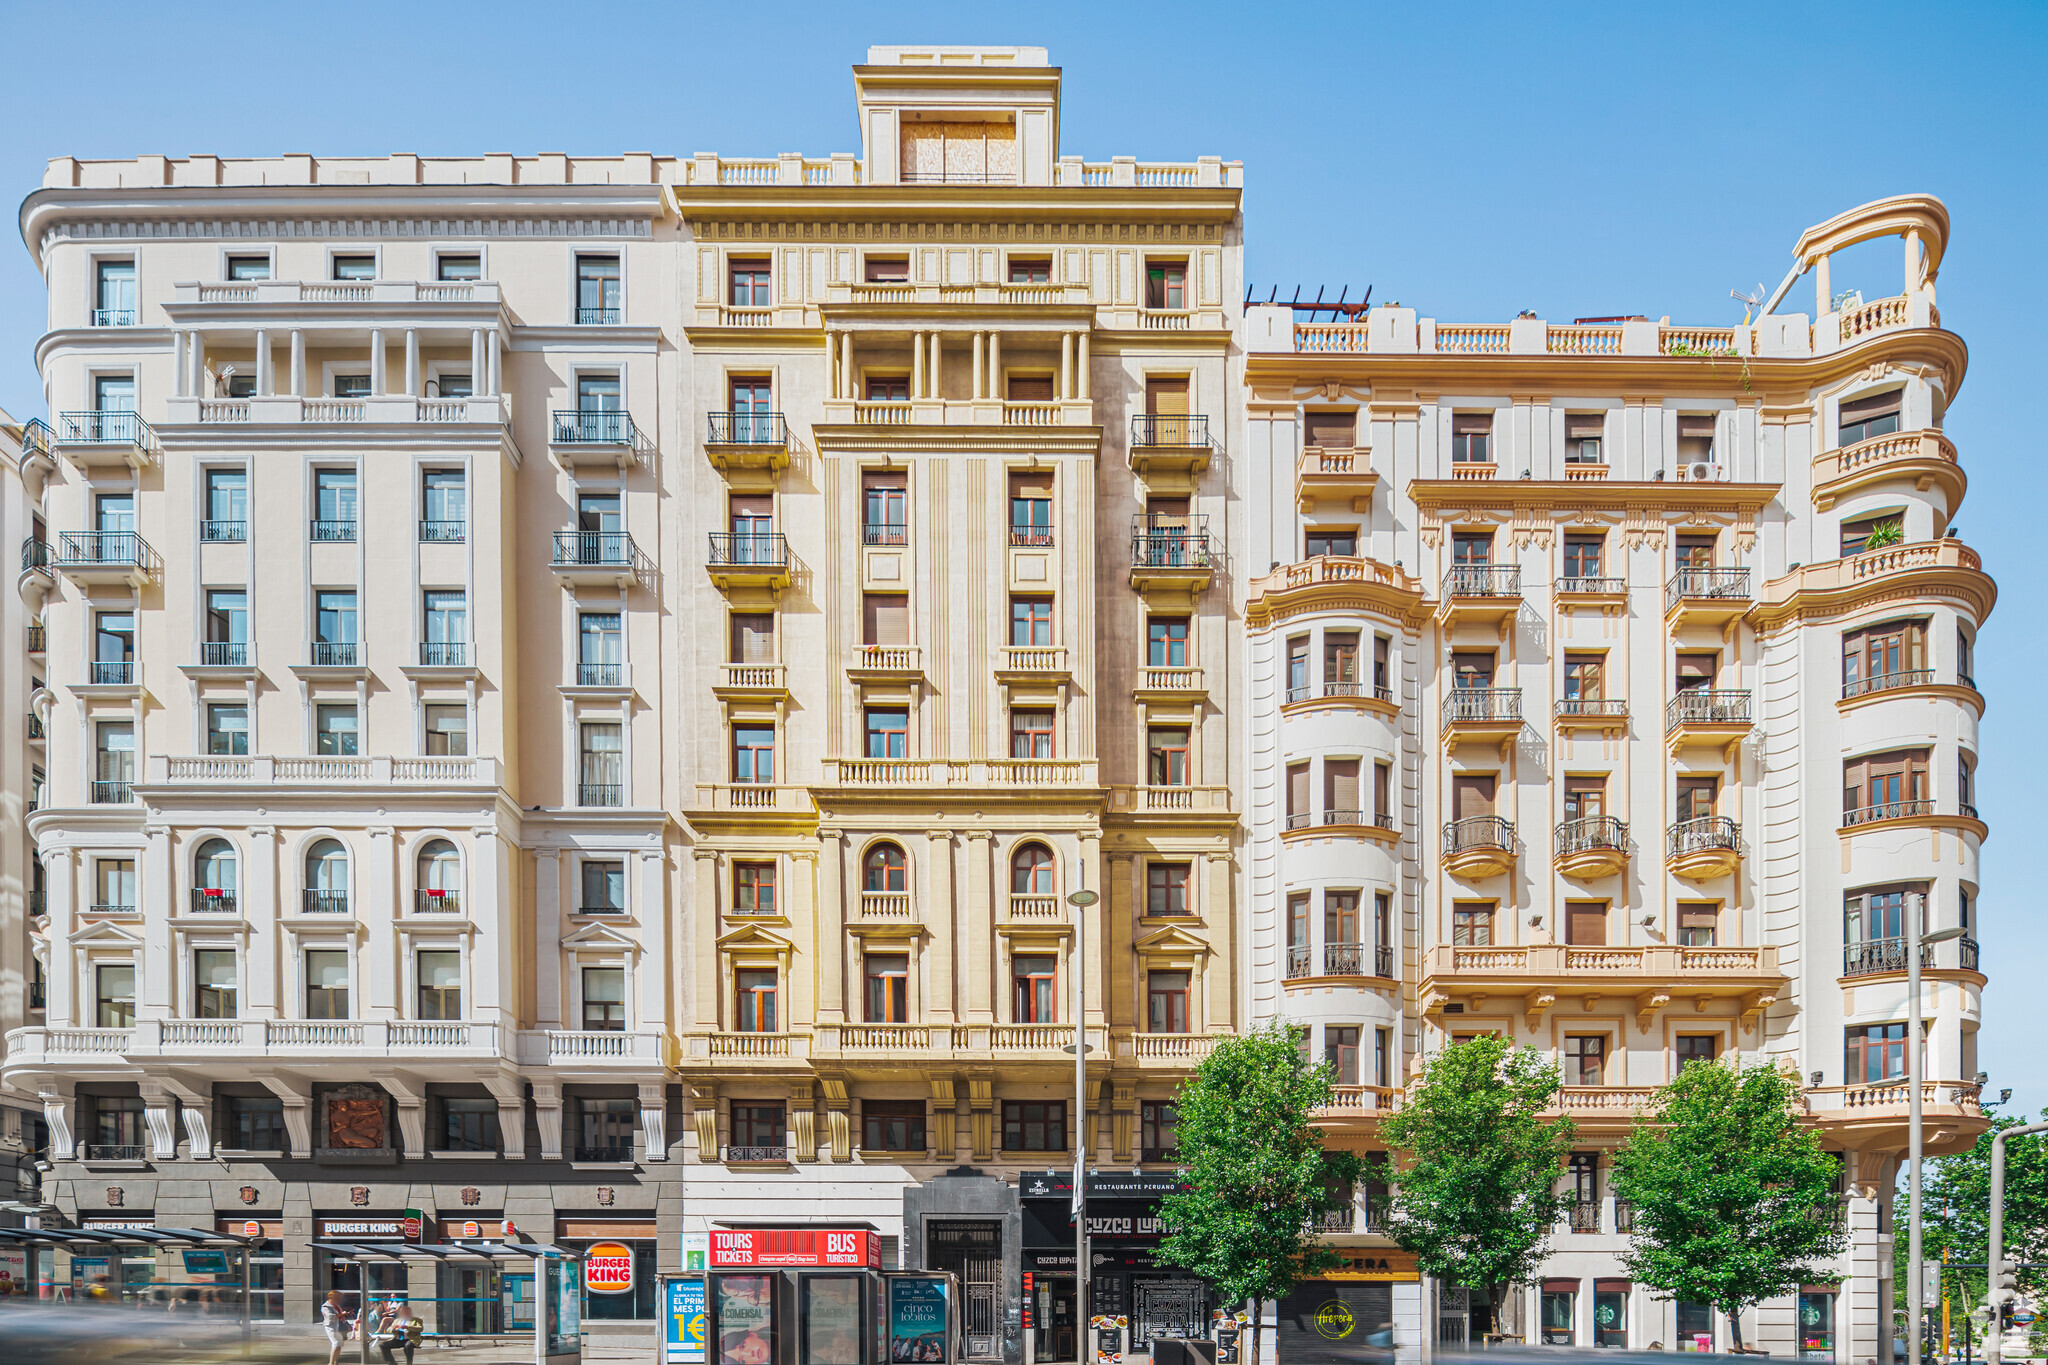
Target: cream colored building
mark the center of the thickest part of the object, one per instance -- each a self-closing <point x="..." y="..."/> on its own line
<point x="1612" y="692"/>
<point x="579" y="684"/>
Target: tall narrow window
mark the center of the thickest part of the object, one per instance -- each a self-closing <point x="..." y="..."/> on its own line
<point x="1033" y="995"/>
<point x="1031" y="509"/>
<point x="1341" y="804"/>
<point x="1383" y="795"/>
<point x="114" y="305"/>
<point x="327" y="878"/>
<point x="334" y="504"/>
<point x="334" y="629"/>
<point x="885" y="501"/>
<point x="887" y="980"/>
<point x="114" y="762"/>
<point x="1300" y="810"/>
<point x="113" y="657"/>
<point x="213" y="876"/>
<point x="753" y="754"/>
<point x="447" y="623"/>
<point x="440" y="874"/>
<point x="444" y="506"/>
<point x="1166" y="888"/>
<point x="1166" y="284"/>
<point x="1340" y="663"/>
<point x="1340" y="1051"/>
<point x="227" y="505"/>
<point x="1340" y="919"/>
<point x="114" y="991"/>
<point x="601" y="649"/>
<point x="1166" y="995"/>
<point x="440" y="984"/>
<point x="756" y="1002"/>
<point x="1298" y="948"/>
<point x="753" y="410"/>
<point x="1166" y="642"/>
<point x="227" y="629"/>
<point x="888" y="732"/>
<point x="326" y="983"/>
<point x="604" y="999"/>
<point x="602" y="782"/>
<point x="1168" y="750"/>
<point x="214" y="983"/>
<point x="597" y="290"/>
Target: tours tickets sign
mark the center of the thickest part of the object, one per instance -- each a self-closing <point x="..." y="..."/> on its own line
<point x="795" y="1247"/>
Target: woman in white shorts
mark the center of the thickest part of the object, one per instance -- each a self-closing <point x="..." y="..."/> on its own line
<point x="335" y="1322"/>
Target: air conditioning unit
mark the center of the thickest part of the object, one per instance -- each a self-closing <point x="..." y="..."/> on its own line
<point x="1700" y="471"/>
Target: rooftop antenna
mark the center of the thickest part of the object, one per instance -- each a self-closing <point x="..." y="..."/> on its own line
<point x="1750" y="302"/>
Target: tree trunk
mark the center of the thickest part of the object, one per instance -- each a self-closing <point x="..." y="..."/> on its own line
<point x="1251" y="1354"/>
<point x="1735" y="1328"/>
<point x="1493" y="1297"/>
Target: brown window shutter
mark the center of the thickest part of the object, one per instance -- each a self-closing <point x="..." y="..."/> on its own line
<point x="1166" y="397"/>
<point x="1332" y="430"/>
<point x="1030" y="388"/>
<point x="1474" y="796"/>
<point x="753" y="505"/>
<point x="1471" y="423"/>
<point x="886" y="618"/>
<point x="1340" y="780"/>
<point x="1586" y="925"/>
<point x="1297" y="789"/>
<point x="1874" y="405"/>
<point x="1581" y="425"/>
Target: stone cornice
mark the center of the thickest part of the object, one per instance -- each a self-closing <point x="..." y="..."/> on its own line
<point x="955" y="213"/>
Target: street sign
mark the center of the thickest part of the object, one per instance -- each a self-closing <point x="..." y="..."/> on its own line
<point x="2022" y="1317"/>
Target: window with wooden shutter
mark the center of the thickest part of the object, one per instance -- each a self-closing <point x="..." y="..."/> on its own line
<point x="1166" y="397"/>
<point x="1698" y="924"/>
<point x="1875" y="414"/>
<point x="1030" y="388"/>
<point x="1472" y="925"/>
<point x="1471" y="437"/>
<point x="1885" y="786"/>
<point x="1298" y="811"/>
<point x="1695" y="438"/>
<point x="1696" y="552"/>
<point x="1584" y="677"/>
<point x="1340" y="791"/>
<point x="753" y="638"/>
<point x="1297" y="920"/>
<point x="1893" y="654"/>
<point x="1340" y="658"/>
<point x="1586" y="924"/>
<point x="1471" y="668"/>
<point x="1331" y="430"/>
<point x="1696" y="797"/>
<point x="1472" y="795"/>
<point x="1697" y="670"/>
<point x="1383" y="795"/>
<point x="1582" y="437"/>
<point x="885" y="618"/>
<point x="1340" y="917"/>
<point x="1585" y="798"/>
<point x="887" y="270"/>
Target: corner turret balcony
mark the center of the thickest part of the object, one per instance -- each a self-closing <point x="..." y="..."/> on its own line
<point x="578" y="438"/>
<point x="1878" y="1112"/>
<point x="106" y="557"/>
<point x="586" y="557"/>
<point x="1170" y="552"/>
<point x="1596" y="847"/>
<point x="749" y="559"/>
<point x="1926" y="457"/>
<point x="746" y="440"/>
<point x="1482" y="714"/>
<point x="1706" y="715"/>
<point x="1480" y="846"/>
<point x="1705" y="597"/>
<point x="105" y="440"/>
<point x="1170" y="444"/>
<point x="1887" y="957"/>
<point x="1702" y="849"/>
<point x="1480" y="595"/>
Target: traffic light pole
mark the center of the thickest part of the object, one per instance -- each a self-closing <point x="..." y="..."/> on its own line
<point x="2001" y="1290"/>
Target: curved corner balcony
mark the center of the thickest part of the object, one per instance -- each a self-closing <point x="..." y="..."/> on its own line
<point x="1596" y="847"/>
<point x="1480" y="846"/>
<point x="1925" y="458"/>
<point x="1702" y="849"/>
<point x="1945" y="571"/>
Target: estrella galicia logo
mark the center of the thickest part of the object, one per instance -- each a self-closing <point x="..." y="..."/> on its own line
<point x="1335" y="1320"/>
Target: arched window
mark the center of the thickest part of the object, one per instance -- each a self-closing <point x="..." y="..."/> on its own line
<point x="1031" y="871"/>
<point x="213" y="876"/>
<point x="886" y="869"/>
<point x="327" y="878"/>
<point x="440" y="889"/>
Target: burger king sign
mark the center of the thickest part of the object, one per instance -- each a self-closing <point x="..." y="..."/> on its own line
<point x="608" y="1268"/>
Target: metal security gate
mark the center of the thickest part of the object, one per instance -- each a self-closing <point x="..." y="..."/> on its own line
<point x="981" y="1287"/>
<point x="1453" y="1314"/>
<point x="1168" y="1308"/>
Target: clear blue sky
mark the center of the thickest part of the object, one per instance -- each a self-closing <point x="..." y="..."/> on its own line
<point x="1471" y="161"/>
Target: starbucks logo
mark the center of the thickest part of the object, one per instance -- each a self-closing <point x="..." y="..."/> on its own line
<point x="1334" y="1320"/>
<point x="1605" y="1314"/>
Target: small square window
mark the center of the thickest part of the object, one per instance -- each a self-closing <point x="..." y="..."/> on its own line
<point x="604" y="886"/>
<point x="355" y="267"/>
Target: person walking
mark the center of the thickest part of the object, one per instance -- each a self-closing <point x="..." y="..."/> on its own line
<point x="334" y="1321"/>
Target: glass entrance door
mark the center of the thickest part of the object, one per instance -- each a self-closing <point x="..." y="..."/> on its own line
<point x="1052" y="1318"/>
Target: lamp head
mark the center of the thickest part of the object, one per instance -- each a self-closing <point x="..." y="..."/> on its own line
<point x="1081" y="900"/>
<point x="1942" y="935"/>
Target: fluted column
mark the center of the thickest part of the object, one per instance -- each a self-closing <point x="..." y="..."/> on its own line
<point x="1082" y="366"/>
<point x="932" y="369"/>
<point x="995" y="365"/>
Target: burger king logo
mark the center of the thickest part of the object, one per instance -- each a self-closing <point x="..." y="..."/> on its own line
<point x="252" y="1228"/>
<point x="608" y="1268"/>
<point x="411" y="1228"/>
<point x="472" y="1229"/>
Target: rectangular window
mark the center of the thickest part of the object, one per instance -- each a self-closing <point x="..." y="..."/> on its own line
<point x="1695" y="438"/>
<point x="1472" y="549"/>
<point x="604" y="886"/>
<point x="213" y="983"/>
<point x="1584" y="677"/>
<point x="227" y="629"/>
<point x="248" y="267"/>
<point x="326" y="983"/>
<point x="1297" y="923"/>
<point x="885" y="618"/>
<point x="1031" y="509"/>
<point x="885" y="270"/>
<point x="1696" y="797"/>
<point x="1856" y="535"/>
<point x="885" y="508"/>
<point x="603" y="777"/>
<point x="458" y="267"/>
<point x="760" y="1128"/>
<point x="114" y="886"/>
<point x="1300" y="813"/>
<point x="1874" y="1052"/>
<point x="334" y="504"/>
<point x="1330" y="540"/>
<point x="467" y="1125"/>
<point x="1885" y="786"/>
<point x="748" y="279"/>
<point x="227" y="505"/>
<point x="1166" y="284"/>
<point x="444" y="506"/>
<point x="604" y="999"/>
<point x="753" y="638"/>
<point x="886" y="388"/>
<point x="1031" y="734"/>
<point x="440" y="984"/>
<point x="1030" y="621"/>
<point x="227" y="729"/>
<point x="1034" y="1125"/>
<point x="753" y="753"/>
<point x="1330" y="430"/>
<point x="1166" y="642"/>
<point x="255" y="1123"/>
<point x="1341" y="804"/>
<point x="447" y="622"/>
<point x="753" y="889"/>
<point x="753" y="523"/>
<point x="1874" y="414"/>
<point x="115" y="762"/>
<point x="1472" y="795"/>
<point x="334" y="629"/>
<point x="597" y="290"/>
<point x="1168" y="750"/>
<point x="1159" y="1131"/>
<point x="1340" y="1051"/>
<point x="1034" y="997"/>
<point x="1582" y="433"/>
<point x="114" y="991"/>
<point x="1028" y="388"/>
<point x="1891" y="655"/>
<point x="1166" y="1002"/>
<point x="1383" y="795"/>
<point x="1585" y="798"/>
<point x="888" y="732"/>
<point x="1340" y="919"/>
<point x="1698" y="923"/>
<point x="1585" y="1060"/>
<point x="892" y="1125"/>
<point x="334" y="728"/>
<point x="449" y="385"/>
<point x="1583" y="557"/>
<point x="1340" y="663"/>
<point x="600" y="649"/>
<point x="1471" y="437"/>
<point x="113" y="645"/>
<point x="1694" y="1047"/>
<point x="114" y="304"/>
<point x="1030" y="270"/>
<point x="355" y="267"/>
<point x="1166" y="888"/>
<point x="886" y="978"/>
<point x="1472" y="925"/>
<point x="447" y="729"/>
<point x="1695" y="552"/>
<point x="756" y="1003"/>
<point x="1586" y="924"/>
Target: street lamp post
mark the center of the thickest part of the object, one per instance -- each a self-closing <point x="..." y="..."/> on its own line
<point x="1916" y="1289"/>
<point x="1081" y="898"/>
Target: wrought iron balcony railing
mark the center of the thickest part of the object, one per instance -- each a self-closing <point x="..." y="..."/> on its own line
<point x="1483" y="580"/>
<point x="1707" y="706"/>
<point x="1476" y="705"/>
<point x="746" y="429"/>
<point x="1888" y="810"/>
<point x="576" y="427"/>
<point x="332" y="529"/>
<point x="1706" y="585"/>
<point x="1601" y="832"/>
<point x="1487" y="832"/>
<point x="741" y="549"/>
<point x="444" y="654"/>
<point x="1169" y="541"/>
<point x="1191" y="430"/>
<point x="1885" y="682"/>
<point x="317" y="902"/>
<point x="335" y="654"/>
<point x="1709" y="833"/>
<point x="603" y="549"/>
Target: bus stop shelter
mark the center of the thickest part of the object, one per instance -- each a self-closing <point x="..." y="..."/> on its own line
<point x="558" y="1328"/>
<point x="87" y="1241"/>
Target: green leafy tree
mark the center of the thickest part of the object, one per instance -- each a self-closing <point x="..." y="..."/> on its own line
<point x="1955" y="1200"/>
<point x="1478" y="1200"/>
<point x="1734" y="1199"/>
<point x="1256" y="1175"/>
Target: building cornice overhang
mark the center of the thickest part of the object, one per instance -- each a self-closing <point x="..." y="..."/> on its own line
<point x="173" y="210"/>
<point x="1774" y="381"/>
<point x="701" y="204"/>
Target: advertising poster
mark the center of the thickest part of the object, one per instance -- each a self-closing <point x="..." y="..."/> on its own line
<point x="696" y="1252"/>
<point x="14" y="1272"/>
<point x="831" y="1320"/>
<point x="688" y="1323"/>
<point x="917" y="1321"/>
<point x="746" y="1319"/>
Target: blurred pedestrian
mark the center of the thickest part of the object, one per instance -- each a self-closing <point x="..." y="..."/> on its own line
<point x="334" y="1320"/>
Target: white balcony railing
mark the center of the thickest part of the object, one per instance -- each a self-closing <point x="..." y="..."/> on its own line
<point x="307" y="1041"/>
<point x="323" y="770"/>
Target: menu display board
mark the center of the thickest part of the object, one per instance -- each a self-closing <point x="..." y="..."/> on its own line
<point x="743" y="1312"/>
<point x="917" y="1320"/>
<point x="795" y="1247"/>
